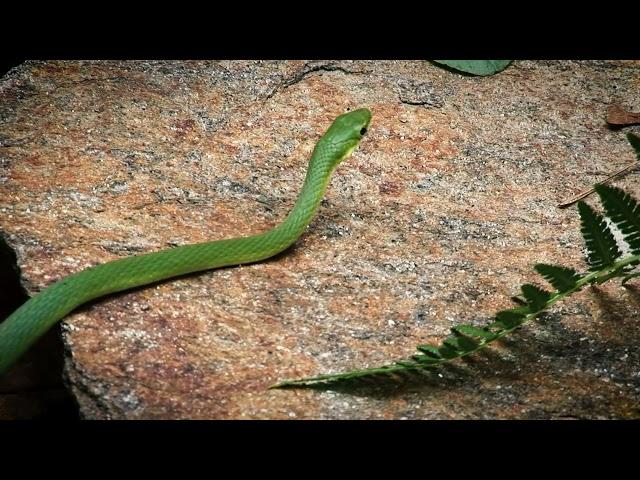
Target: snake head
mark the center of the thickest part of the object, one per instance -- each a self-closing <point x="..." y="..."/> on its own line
<point x="344" y="135"/>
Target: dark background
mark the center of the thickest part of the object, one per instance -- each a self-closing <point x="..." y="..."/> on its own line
<point x="33" y="388"/>
<point x="8" y="64"/>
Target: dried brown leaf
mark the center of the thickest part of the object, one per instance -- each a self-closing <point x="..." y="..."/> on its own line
<point x="617" y="115"/>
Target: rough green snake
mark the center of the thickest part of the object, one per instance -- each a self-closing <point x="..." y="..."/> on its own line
<point x="29" y="322"/>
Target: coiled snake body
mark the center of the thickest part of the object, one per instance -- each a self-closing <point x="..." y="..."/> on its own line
<point x="22" y="328"/>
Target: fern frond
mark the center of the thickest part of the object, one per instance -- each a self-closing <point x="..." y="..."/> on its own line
<point x="467" y="339"/>
<point x="624" y="211"/>
<point x="562" y="278"/>
<point x="602" y="248"/>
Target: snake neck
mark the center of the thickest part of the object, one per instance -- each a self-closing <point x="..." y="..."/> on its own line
<point x="308" y="201"/>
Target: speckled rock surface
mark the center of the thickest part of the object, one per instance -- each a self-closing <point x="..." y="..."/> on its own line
<point x="436" y="219"/>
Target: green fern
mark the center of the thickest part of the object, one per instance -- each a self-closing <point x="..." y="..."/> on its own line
<point x="602" y="257"/>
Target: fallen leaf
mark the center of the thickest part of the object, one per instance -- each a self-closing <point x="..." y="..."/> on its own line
<point x="476" y="67"/>
<point x="616" y="115"/>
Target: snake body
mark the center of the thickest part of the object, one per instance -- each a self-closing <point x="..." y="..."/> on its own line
<point x="29" y="322"/>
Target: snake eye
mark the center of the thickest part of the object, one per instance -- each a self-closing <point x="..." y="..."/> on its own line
<point x="363" y="131"/>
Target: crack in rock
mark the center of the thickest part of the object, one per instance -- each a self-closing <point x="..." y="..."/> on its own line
<point x="308" y="70"/>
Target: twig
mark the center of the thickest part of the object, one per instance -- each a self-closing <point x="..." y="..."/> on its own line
<point x="619" y="173"/>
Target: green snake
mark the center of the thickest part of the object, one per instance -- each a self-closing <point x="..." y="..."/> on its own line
<point x="29" y="322"/>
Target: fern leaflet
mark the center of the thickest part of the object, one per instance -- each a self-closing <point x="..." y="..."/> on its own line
<point x="624" y="211"/>
<point x="536" y="297"/>
<point x="562" y="278"/>
<point x="602" y="249"/>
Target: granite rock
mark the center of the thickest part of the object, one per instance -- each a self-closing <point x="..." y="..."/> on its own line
<point x="435" y="220"/>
